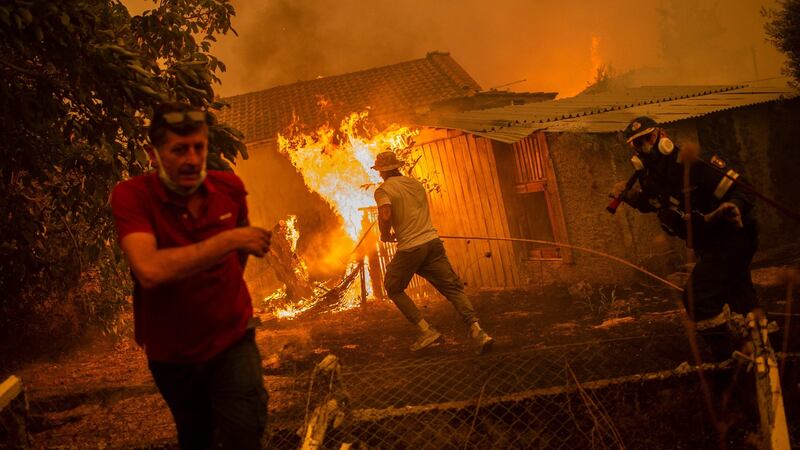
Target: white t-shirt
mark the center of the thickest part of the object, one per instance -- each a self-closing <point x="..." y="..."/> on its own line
<point x="411" y="217"/>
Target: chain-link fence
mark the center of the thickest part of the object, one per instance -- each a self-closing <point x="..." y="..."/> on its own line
<point x="636" y="392"/>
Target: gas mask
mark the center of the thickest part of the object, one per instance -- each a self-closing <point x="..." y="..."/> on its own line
<point x="174" y="187"/>
<point x="664" y="145"/>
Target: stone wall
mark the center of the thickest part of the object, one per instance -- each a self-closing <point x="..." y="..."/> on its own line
<point x="586" y="167"/>
<point x="763" y="143"/>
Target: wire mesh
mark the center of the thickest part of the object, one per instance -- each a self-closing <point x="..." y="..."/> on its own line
<point x="625" y="393"/>
<point x="633" y="392"/>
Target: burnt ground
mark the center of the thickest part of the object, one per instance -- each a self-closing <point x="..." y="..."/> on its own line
<point x="102" y="395"/>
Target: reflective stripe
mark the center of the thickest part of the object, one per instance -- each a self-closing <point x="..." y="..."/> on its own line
<point x="725" y="184"/>
<point x="641" y="133"/>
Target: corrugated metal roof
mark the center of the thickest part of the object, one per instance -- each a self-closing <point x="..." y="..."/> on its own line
<point x="761" y="91"/>
<point x="607" y="112"/>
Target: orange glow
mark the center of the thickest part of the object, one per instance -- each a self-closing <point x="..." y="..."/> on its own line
<point x="292" y="234"/>
<point x="597" y="61"/>
<point x="348" y="299"/>
<point x="293" y="310"/>
<point x="336" y="163"/>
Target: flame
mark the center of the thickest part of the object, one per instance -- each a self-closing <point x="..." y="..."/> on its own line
<point x="292" y="233"/>
<point x="336" y="162"/>
<point x="349" y="298"/>
<point x="293" y="310"/>
<point x="278" y="294"/>
<point x="597" y="60"/>
<point x="323" y="102"/>
<point x="368" y="279"/>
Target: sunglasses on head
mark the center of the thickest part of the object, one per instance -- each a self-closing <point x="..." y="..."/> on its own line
<point x="178" y="117"/>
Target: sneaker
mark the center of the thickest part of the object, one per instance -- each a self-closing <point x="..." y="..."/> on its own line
<point x="426" y="338"/>
<point x="482" y="341"/>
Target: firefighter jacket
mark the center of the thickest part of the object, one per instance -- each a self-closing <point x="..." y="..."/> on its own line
<point x="661" y="182"/>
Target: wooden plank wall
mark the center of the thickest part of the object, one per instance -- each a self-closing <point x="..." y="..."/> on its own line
<point x="469" y="203"/>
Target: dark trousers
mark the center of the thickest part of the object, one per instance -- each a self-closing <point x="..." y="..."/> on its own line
<point x="722" y="275"/>
<point x="218" y="403"/>
<point x="429" y="261"/>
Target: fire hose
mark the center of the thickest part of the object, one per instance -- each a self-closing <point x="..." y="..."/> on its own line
<point x="572" y="247"/>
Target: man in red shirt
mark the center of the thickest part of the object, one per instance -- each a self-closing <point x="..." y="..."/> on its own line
<point x="184" y="231"/>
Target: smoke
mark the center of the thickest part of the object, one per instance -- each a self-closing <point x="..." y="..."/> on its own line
<point x="547" y="43"/>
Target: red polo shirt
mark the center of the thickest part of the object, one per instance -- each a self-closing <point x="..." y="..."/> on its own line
<point x="193" y="319"/>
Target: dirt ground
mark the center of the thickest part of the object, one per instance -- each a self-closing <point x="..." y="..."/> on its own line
<point x="102" y="395"/>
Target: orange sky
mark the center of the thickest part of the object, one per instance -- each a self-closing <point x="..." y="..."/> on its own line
<point x="547" y="43"/>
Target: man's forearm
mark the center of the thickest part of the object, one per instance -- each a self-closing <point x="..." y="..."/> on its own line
<point x="173" y="264"/>
<point x="385" y="227"/>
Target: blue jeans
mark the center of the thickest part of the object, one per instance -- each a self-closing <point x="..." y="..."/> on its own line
<point x="220" y="402"/>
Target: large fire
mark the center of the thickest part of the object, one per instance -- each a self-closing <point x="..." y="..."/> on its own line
<point x="335" y="163"/>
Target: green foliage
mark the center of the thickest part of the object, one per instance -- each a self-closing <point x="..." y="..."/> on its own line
<point x="77" y="80"/>
<point x="783" y="29"/>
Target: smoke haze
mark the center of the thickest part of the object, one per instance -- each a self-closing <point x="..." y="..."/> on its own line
<point x="547" y="43"/>
<point x="550" y="44"/>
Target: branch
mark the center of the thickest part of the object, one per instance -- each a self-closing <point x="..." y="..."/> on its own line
<point x="74" y="241"/>
<point x="28" y="72"/>
<point x="33" y="74"/>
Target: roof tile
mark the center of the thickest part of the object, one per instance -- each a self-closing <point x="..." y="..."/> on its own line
<point x="395" y="90"/>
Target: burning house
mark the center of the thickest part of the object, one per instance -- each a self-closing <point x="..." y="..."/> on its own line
<point x="311" y="143"/>
<point x="496" y="164"/>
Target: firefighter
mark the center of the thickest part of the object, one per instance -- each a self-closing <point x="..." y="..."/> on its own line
<point x="723" y="232"/>
<point x="404" y="218"/>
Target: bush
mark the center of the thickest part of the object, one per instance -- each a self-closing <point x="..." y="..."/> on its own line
<point x="77" y="80"/>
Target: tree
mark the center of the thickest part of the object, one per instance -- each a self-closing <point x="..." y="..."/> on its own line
<point x="77" y="80"/>
<point x="783" y="29"/>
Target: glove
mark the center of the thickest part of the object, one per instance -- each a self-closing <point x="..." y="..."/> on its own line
<point x="617" y="189"/>
<point x="727" y="211"/>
